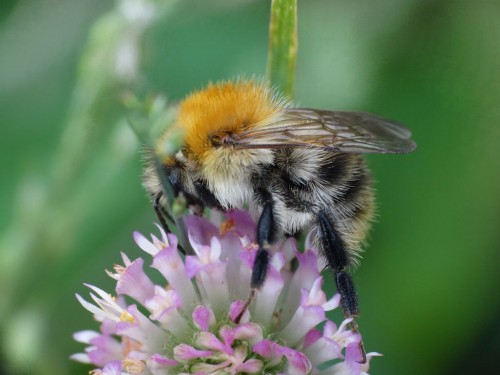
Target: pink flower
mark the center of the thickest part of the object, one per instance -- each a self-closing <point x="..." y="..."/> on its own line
<point x="186" y="324"/>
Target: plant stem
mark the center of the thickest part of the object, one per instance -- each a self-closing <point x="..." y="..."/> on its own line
<point x="283" y="45"/>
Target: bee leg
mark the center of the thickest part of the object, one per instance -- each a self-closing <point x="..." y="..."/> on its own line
<point x="162" y="215"/>
<point x="266" y="229"/>
<point x="336" y="254"/>
<point x="265" y="236"/>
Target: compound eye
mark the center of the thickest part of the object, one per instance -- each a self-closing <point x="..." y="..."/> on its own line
<point x="217" y="140"/>
<point x="224" y="139"/>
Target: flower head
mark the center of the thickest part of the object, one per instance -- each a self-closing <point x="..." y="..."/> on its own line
<point x="187" y="325"/>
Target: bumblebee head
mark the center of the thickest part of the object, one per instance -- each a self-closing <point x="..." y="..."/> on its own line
<point x="208" y="120"/>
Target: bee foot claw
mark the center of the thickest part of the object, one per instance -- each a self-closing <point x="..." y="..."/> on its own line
<point x="249" y="300"/>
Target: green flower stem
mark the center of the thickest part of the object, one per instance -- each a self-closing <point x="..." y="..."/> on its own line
<point x="283" y="45"/>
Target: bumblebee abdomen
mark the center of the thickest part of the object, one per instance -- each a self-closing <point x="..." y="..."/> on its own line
<point x="315" y="180"/>
<point x="306" y="182"/>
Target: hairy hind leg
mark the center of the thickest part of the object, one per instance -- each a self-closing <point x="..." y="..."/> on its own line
<point x="335" y="251"/>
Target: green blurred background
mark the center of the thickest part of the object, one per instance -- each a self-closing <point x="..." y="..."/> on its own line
<point x="70" y="193"/>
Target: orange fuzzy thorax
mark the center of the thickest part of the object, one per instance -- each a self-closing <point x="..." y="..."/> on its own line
<point x="224" y="108"/>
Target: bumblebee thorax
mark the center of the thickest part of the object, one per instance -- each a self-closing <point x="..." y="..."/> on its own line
<point x="224" y="110"/>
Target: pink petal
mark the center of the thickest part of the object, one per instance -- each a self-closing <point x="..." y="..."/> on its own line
<point x="235" y="310"/>
<point x="197" y="247"/>
<point x="80" y="357"/>
<point x="158" y="364"/>
<point x="267" y="297"/>
<point x="158" y="243"/>
<point x="304" y="319"/>
<point x="164" y="308"/>
<point x="252" y="366"/>
<point x="353" y="356"/>
<point x="165" y="239"/>
<point x="171" y="239"/>
<point x="264" y="348"/>
<point x="238" y="275"/>
<point x="228" y="335"/>
<point x="108" y="327"/>
<point x="332" y="303"/>
<point x="208" y="340"/>
<point x="278" y="261"/>
<point x="315" y="296"/>
<point x="145" y="244"/>
<point x="184" y="352"/>
<point x="105" y="349"/>
<point x="351" y="365"/>
<point x="169" y="263"/>
<point x="143" y="330"/>
<point x="248" y="257"/>
<point x="298" y="364"/>
<point x="310" y="245"/>
<point x="133" y="282"/>
<point x="193" y="266"/>
<point x="312" y="336"/>
<point x="213" y="286"/>
<point x="341" y="335"/>
<point x="203" y="317"/>
<point x="200" y="230"/>
<point x="135" y="353"/>
<point x="85" y="336"/>
<point x="203" y="368"/>
<point x="322" y="350"/>
<point x="330" y="329"/>
<point x="250" y="332"/>
<point x="289" y="249"/>
<point x="303" y="278"/>
<point x="171" y="266"/>
<point x="243" y="223"/>
<point x="215" y="249"/>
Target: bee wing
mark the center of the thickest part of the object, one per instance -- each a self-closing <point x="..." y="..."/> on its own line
<point x="350" y="132"/>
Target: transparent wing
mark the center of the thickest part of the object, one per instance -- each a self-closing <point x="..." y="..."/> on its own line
<point x="350" y="132"/>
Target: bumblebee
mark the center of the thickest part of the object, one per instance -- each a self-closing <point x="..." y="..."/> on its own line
<point x="245" y="146"/>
